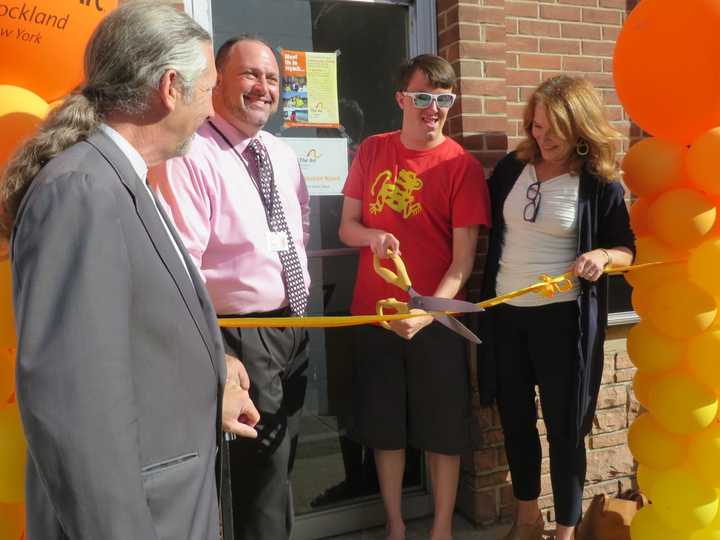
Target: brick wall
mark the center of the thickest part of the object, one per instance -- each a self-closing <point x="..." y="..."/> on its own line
<point x="501" y="50"/>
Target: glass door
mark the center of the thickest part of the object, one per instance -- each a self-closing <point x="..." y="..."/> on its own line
<point x="334" y="481"/>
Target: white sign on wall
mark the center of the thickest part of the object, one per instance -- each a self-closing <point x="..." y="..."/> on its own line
<point x="324" y="163"/>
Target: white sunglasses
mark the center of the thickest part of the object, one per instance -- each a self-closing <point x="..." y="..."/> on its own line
<point x="422" y="100"/>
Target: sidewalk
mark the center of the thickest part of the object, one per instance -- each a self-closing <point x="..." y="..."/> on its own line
<point x="419" y="529"/>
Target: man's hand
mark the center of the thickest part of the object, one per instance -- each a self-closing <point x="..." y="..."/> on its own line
<point x="239" y="414"/>
<point x="407" y="328"/>
<point x="236" y="372"/>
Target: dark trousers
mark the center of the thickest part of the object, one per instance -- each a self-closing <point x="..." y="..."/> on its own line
<point x="276" y="360"/>
<point x="538" y="346"/>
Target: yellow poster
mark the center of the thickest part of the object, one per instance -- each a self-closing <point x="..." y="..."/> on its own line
<point x="309" y="91"/>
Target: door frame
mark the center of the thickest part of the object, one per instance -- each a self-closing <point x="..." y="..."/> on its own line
<point x="422" y="34"/>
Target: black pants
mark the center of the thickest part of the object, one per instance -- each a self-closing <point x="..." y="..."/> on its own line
<point x="538" y="346"/>
<point x="276" y="360"/>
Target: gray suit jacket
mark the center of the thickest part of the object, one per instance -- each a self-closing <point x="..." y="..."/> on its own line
<point x="120" y="360"/>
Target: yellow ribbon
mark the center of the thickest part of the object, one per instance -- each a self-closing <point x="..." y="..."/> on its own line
<point x="548" y="286"/>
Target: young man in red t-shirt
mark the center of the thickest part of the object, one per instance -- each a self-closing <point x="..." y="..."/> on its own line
<point x="419" y="194"/>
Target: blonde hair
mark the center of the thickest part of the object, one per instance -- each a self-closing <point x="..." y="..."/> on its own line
<point x="577" y="116"/>
<point x="124" y="61"/>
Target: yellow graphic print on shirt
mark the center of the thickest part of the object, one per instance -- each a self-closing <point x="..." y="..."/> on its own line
<point x="397" y="194"/>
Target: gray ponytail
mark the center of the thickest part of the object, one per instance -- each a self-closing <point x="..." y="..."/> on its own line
<point x="124" y="62"/>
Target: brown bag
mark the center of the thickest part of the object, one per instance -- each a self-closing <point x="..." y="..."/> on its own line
<point x="608" y="518"/>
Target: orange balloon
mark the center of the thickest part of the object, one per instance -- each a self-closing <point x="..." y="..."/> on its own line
<point x="680" y="309"/>
<point x="703" y="264"/>
<point x="651" y="445"/>
<point x="641" y="300"/>
<point x="12" y="521"/>
<point x="21" y="112"/>
<point x="7" y="375"/>
<point x="48" y="41"/>
<point x="682" y="218"/>
<point x="703" y="451"/>
<point x="703" y="358"/>
<point x="658" y="34"/>
<point x="648" y="525"/>
<point x="651" y="350"/>
<point x="13" y="455"/>
<point x="682" y="405"/>
<point x="650" y="249"/>
<point x="652" y="166"/>
<point x="703" y="162"/>
<point x="646" y="478"/>
<point x="642" y="386"/>
<point x="7" y="321"/>
<point x="638" y="217"/>
<point x="683" y="501"/>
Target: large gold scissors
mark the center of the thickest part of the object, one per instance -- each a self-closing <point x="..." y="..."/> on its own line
<point x="439" y="308"/>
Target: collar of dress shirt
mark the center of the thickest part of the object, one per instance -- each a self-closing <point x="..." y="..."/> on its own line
<point x="236" y="137"/>
<point x="136" y="160"/>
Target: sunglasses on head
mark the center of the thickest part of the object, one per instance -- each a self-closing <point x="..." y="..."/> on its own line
<point x="422" y="100"/>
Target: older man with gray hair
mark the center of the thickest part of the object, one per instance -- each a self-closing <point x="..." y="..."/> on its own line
<point x="122" y="381"/>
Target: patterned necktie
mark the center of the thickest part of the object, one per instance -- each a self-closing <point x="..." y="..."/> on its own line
<point x="292" y="270"/>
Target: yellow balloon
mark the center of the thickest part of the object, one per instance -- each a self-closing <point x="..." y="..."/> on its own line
<point x="703" y="160"/>
<point x="12" y="521"/>
<point x="643" y="386"/>
<point x="682" y="405"/>
<point x="683" y="502"/>
<point x="703" y="263"/>
<point x="21" y="112"/>
<point x="650" y="249"/>
<point x="703" y="358"/>
<point x="709" y="533"/>
<point x="646" y="478"/>
<point x="653" y="165"/>
<point x="703" y="451"/>
<point x="681" y="309"/>
<point x="647" y="525"/>
<point x="652" y="351"/>
<point x="7" y="321"/>
<point x="682" y="218"/>
<point x="651" y="445"/>
<point x="7" y="375"/>
<point x="13" y="452"/>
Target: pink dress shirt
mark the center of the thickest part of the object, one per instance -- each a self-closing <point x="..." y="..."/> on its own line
<point x="218" y="212"/>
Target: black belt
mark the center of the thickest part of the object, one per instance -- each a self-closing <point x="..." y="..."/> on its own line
<point x="281" y="312"/>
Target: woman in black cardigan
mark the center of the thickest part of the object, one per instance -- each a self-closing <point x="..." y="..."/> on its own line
<point x="557" y="206"/>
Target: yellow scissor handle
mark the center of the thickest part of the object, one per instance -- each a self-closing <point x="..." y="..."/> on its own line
<point x="390" y="303"/>
<point x="401" y="279"/>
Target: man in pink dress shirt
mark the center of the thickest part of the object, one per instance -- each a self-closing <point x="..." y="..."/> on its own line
<point x="222" y="211"/>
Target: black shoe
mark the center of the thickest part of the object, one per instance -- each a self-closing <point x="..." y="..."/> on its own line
<point x="339" y="492"/>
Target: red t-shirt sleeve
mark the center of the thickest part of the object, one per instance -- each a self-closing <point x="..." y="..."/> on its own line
<point x="355" y="183"/>
<point x="471" y="198"/>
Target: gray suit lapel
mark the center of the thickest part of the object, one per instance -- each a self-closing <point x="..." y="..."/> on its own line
<point x="193" y="292"/>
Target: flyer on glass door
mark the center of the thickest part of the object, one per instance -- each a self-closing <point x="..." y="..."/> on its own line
<point x="309" y="89"/>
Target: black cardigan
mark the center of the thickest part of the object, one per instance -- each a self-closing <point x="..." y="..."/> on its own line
<point x="603" y="221"/>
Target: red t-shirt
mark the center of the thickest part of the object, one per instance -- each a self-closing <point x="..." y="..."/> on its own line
<point x="418" y="196"/>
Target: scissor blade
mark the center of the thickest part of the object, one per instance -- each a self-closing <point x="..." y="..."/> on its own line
<point x="456" y="326"/>
<point x="433" y="303"/>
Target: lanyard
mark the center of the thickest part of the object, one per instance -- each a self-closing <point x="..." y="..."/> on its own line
<point x="267" y="205"/>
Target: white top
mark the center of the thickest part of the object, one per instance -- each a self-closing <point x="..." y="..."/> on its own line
<point x="546" y="246"/>
<point x="141" y="169"/>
